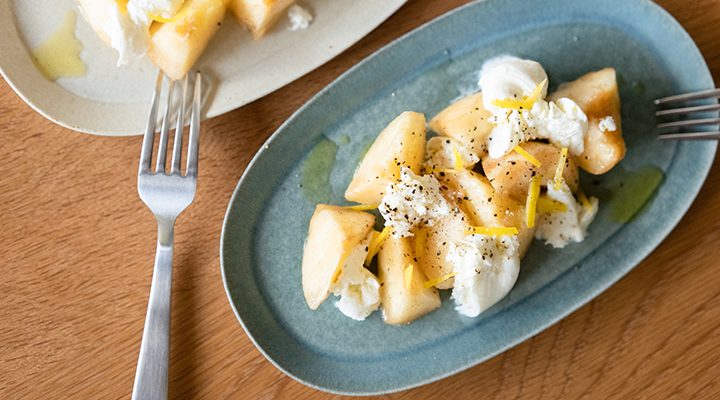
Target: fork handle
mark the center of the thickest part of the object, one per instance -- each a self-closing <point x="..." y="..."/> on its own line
<point x="151" y="377"/>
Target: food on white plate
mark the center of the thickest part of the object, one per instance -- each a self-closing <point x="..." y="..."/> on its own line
<point x="400" y="144"/>
<point x="597" y="94"/>
<point x="175" y="33"/>
<point x="258" y="15"/>
<point x="452" y="222"/>
<point x="335" y="249"/>
<point x="403" y="294"/>
<point x="176" y="45"/>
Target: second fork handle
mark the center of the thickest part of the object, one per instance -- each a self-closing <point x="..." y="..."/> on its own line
<point x="151" y="377"/>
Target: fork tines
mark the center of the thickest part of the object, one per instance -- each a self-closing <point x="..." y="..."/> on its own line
<point x="688" y="110"/>
<point x="167" y="117"/>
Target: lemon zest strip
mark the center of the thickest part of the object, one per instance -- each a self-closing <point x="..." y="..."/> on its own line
<point x="339" y="268"/>
<point x="560" y="168"/>
<point x="526" y="102"/>
<point x="376" y="243"/>
<point x="548" y="206"/>
<point x="161" y="19"/>
<point x="408" y="277"/>
<point x="583" y="199"/>
<point x="529" y="157"/>
<point x="122" y="6"/>
<point x="492" y="231"/>
<point x="459" y="164"/>
<point x="531" y="202"/>
<point x="362" y="207"/>
<point x="439" y="280"/>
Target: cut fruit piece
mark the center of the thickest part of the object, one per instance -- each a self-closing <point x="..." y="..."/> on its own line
<point x="175" y="46"/>
<point x="447" y="153"/>
<point x="403" y="295"/>
<point x="400" y="144"/>
<point x="333" y="233"/>
<point x="485" y="206"/>
<point x="597" y="94"/>
<point x="511" y="173"/>
<point x="438" y="237"/>
<point x="258" y="15"/>
<point x="467" y="121"/>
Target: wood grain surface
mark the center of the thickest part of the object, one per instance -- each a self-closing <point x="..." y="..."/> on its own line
<point x="77" y="247"/>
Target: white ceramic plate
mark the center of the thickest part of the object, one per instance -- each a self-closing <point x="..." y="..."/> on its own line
<point x="112" y="100"/>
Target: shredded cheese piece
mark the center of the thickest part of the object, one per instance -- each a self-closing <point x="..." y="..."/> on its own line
<point x="526" y="102"/>
<point x="492" y="231"/>
<point x="560" y="168"/>
<point x="362" y="207"/>
<point x="531" y="202"/>
<point x="547" y="206"/>
<point x="409" y="277"/>
<point x="375" y="244"/>
<point x="459" y="165"/>
<point x="439" y="280"/>
<point x="529" y="157"/>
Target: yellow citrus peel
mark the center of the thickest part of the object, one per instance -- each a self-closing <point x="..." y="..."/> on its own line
<point x="339" y="268"/>
<point x="560" y="168"/>
<point x="548" y="206"/>
<point x="526" y="102"/>
<point x="459" y="165"/>
<point x="408" y="277"/>
<point x="375" y="243"/>
<point x="531" y="202"/>
<point x="161" y="19"/>
<point x="492" y="231"/>
<point x="362" y="207"/>
<point x="122" y="6"/>
<point x="529" y="157"/>
<point x="439" y="280"/>
<point x="583" y="199"/>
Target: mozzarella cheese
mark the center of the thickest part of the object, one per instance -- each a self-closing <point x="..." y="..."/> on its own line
<point x="607" y="124"/>
<point x="299" y="17"/>
<point x="358" y="288"/>
<point x="508" y="79"/>
<point x="412" y="201"/>
<point x="562" y="227"/>
<point x="486" y="268"/>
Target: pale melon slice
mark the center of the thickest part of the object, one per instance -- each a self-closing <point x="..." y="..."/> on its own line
<point x="403" y="294"/>
<point x="597" y="94"/>
<point x="400" y="144"/>
<point x="176" y="45"/>
<point x="258" y="15"/>
<point x="333" y="233"/>
<point x="487" y="207"/>
<point x="511" y="173"/>
<point x="467" y="121"/>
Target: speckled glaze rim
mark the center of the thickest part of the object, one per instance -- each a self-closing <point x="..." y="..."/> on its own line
<point x="703" y="162"/>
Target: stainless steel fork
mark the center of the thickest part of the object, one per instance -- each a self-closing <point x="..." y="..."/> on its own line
<point x="689" y="110"/>
<point x="166" y="194"/>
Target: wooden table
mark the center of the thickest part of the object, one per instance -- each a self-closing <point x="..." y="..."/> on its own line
<point x="77" y="247"/>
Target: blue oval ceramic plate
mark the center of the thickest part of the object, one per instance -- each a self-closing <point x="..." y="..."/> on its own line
<point x="266" y="222"/>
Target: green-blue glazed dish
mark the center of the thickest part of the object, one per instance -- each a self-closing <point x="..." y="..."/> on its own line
<point x="266" y="221"/>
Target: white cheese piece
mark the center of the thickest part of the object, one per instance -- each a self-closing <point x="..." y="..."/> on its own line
<point x="299" y="17"/>
<point x="562" y="227"/>
<point x="607" y="124"/>
<point x="358" y="288"/>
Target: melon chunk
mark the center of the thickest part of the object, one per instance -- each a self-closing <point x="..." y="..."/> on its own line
<point x="466" y="121"/>
<point x="403" y="295"/>
<point x="400" y="144"/>
<point x="258" y="15"/>
<point x="487" y="207"/>
<point x="432" y="249"/>
<point x="511" y="173"/>
<point x="597" y="94"/>
<point x="333" y="234"/>
<point x="176" y="45"/>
